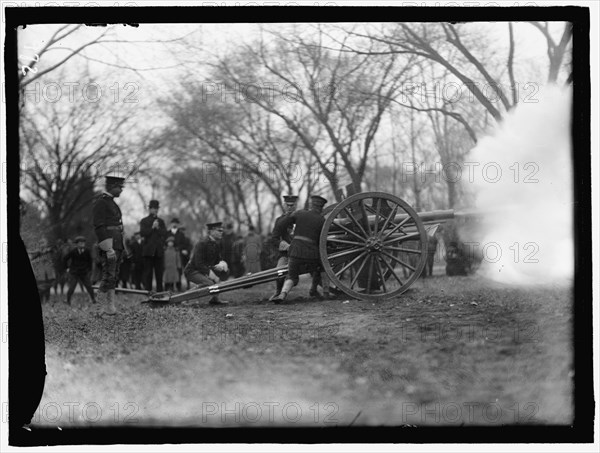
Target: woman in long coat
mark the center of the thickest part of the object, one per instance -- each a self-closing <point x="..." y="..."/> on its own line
<point x="252" y="248"/>
<point x="172" y="265"/>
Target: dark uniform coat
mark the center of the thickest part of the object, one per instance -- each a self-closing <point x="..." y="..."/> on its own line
<point x="107" y="224"/>
<point x="206" y="254"/>
<point x="154" y="239"/>
<point x="282" y="232"/>
<point x="305" y="244"/>
<point x="107" y="221"/>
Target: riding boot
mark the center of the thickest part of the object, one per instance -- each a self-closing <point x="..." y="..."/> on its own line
<point x="110" y="305"/>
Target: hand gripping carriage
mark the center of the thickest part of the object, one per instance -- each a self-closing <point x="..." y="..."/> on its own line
<point x="373" y="246"/>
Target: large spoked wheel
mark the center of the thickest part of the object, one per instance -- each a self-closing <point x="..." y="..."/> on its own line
<point x="373" y="246"/>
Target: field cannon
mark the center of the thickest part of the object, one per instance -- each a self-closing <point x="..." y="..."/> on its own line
<point x="373" y="246"/>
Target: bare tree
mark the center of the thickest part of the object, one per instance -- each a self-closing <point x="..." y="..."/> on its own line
<point x="453" y="47"/>
<point x="338" y="100"/>
<point x="37" y="63"/>
<point x="556" y="52"/>
<point x="64" y="143"/>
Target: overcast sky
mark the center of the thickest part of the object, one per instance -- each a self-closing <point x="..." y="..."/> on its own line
<point x="213" y="38"/>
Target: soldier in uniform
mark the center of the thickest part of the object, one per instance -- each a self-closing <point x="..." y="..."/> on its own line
<point x="303" y="254"/>
<point x="282" y="238"/>
<point x="206" y="266"/>
<point x="109" y="231"/>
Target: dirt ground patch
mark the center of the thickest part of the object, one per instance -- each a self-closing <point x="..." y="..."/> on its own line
<point x="450" y="351"/>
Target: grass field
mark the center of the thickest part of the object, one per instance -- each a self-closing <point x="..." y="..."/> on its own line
<point x="450" y="351"/>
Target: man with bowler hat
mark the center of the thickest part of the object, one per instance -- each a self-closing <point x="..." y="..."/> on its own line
<point x="108" y="226"/>
<point x="303" y="254"/>
<point x="206" y="266"/>
<point x="282" y="237"/>
<point x="154" y="234"/>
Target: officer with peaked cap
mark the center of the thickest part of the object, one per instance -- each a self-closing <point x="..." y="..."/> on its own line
<point x="206" y="266"/>
<point x="108" y="226"/>
<point x="303" y="254"/>
<point x="282" y="237"/>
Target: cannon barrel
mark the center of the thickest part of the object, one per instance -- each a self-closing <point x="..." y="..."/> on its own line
<point x="425" y="216"/>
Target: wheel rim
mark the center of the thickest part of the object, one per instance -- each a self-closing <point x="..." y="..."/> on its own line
<point x="375" y="259"/>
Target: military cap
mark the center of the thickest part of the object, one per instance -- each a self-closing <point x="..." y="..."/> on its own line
<point x="174" y="220"/>
<point x="290" y="198"/>
<point x="153" y="204"/>
<point x="318" y="200"/>
<point x="115" y="181"/>
<point x="79" y="239"/>
<point x="213" y="225"/>
<point x="170" y="238"/>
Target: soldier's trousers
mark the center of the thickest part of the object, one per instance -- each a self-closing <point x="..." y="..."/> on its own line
<point x="110" y="270"/>
<point x="84" y="279"/>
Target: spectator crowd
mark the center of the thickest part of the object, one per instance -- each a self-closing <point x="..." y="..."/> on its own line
<point x="154" y="260"/>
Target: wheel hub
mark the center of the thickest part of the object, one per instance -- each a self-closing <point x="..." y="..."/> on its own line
<point x="374" y="244"/>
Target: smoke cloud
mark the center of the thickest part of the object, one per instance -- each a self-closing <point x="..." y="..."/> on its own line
<point x="526" y="183"/>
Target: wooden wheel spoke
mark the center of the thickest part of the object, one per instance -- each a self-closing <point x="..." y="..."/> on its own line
<point x="345" y="253"/>
<point x="389" y="266"/>
<point x="398" y="260"/>
<point x="402" y="238"/>
<point x="348" y="230"/>
<point x="341" y="271"/>
<point x="388" y="220"/>
<point x="357" y="223"/>
<point x="397" y="227"/>
<point x="402" y="249"/>
<point x="344" y="241"/>
<point x="355" y="278"/>
<point x="380" y="272"/>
